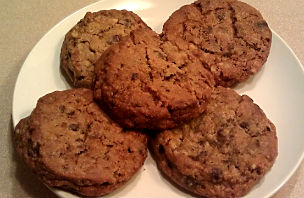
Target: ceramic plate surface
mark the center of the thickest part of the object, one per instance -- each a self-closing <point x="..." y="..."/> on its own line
<point x="278" y="89"/>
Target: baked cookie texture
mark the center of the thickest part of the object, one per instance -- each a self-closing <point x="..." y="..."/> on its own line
<point x="144" y="82"/>
<point x="71" y="144"/>
<point x="230" y="37"/>
<point x="222" y="153"/>
<point x="89" y="38"/>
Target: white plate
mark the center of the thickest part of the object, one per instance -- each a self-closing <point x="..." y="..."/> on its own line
<point x="278" y="89"/>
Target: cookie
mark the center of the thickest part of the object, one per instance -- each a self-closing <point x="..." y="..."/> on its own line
<point x="71" y="144"/>
<point x="143" y="82"/>
<point x="89" y="38"/>
<point x="230" y="37"/>
<point x="222" y="153"/>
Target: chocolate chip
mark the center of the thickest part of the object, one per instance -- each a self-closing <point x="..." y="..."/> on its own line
<point x="170" y="164"/>
<point x="134" y="76"/>
<point x="33" y="148"/>
<point x="190" y="182"/>
<point x="82" y="151"/>
<point x="151" y="76"/>
<point x="61" y="108"/>
<point x="31" y="130"/>
<point x="79" y="140"/>
<point x="220" y="14"/>
<point x="114" y="39"/>
<point x="167" y="78"/>
<point x="161" y="149"/>
<point x="181" y="66"/>
<point x="259" y="170"/>
<point x="216" y="174"/>
<point x="71" y="113"/>
<point x="80" y="77"/>
<point x="244" y="125"/>
<point x="105" y="184"/>
<point x="261" y="24"/>
<point x="74" y="127"/>
<point x="126" y="22"/>
<point x="195" y="158"/>
<point x="222" y="136"/>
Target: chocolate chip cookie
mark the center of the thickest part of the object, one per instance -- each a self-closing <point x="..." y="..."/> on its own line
<point x="143" y="82"/>
<point x="222" y="153"/>
<point x="89" y="38"/>
<point x="230" y="37"/>
<point x="71" y="144"/>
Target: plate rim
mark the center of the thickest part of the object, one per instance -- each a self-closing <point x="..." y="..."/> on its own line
<point x="292" y="172"/>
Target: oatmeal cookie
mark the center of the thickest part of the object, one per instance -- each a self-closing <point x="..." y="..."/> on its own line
<point x="89" y="38"/>
<point x="222" y="153"/>
<point x="230" y="37"/>
<point x="71" y="144"/>
<point x="143" y="82"/>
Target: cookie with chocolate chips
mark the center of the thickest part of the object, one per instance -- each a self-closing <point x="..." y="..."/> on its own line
<point x="230" y="37"/>
<point x="71" y="144"/>
<point x="144" y="82"/>
<point x="222" y="153"/>
<point x="89" y="38"/>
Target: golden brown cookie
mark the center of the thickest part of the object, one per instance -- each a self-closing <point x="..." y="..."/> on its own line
<point x="89" y="38"/>
<point x="222" y="153"/>
<point x="143" y="82"/>
<point x="70" y="143"/>
<point x="230" y="37"/>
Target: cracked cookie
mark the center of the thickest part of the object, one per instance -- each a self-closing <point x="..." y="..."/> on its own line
<point x="222" y="153"/>
<point x="71" y="144"/>
<point x="89" y="38"/>
<point x="143" y="82"/>
<point x="230" y="37"/>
